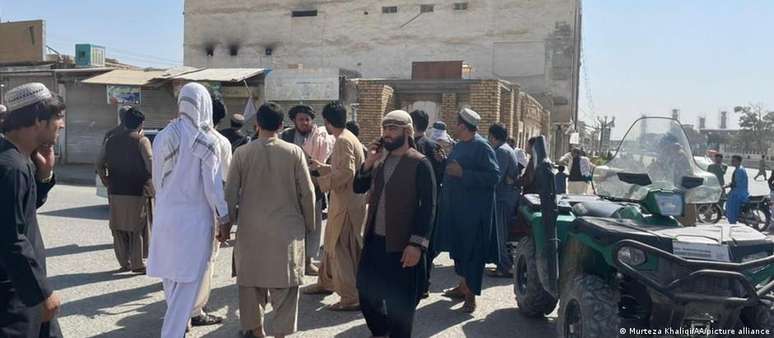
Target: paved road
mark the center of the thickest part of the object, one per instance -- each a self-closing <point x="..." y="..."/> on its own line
<point x="98" y="302"/>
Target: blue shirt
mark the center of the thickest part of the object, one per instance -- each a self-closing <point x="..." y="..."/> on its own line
<point x="561" y="183"/>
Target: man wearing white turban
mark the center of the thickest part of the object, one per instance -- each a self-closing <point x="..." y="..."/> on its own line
<point x="187" y="176"/>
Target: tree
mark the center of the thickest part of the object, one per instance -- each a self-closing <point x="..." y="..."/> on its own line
<point x="756" y="128"/>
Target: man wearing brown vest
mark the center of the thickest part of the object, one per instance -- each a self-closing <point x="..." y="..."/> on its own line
<point x="128" y="158"/>
<point x="392" y="273"/>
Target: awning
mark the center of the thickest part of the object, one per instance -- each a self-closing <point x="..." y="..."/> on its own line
<point x="221" y="74"/>
<point x="125" y="77"/>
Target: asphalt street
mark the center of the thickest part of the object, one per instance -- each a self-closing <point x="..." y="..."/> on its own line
<point x="99" y="302"/>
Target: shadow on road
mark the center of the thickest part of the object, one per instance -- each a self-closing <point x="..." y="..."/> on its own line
<point x="510" y="323"/>
<point x="147" y="323"/>
<point x="61" y="282"/>
<point x="93" y="212"/>
<point x="73" y="249"/>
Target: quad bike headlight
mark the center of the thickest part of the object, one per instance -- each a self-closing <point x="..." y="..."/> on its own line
<point x="669" y="204"/>
<point x="631" y="256"/>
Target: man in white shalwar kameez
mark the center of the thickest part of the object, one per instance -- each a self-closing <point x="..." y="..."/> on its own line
<point x="189" y="196"/>
<point x="198" y="316"/>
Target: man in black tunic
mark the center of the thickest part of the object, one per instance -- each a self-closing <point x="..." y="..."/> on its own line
<point x="27" y="303"/>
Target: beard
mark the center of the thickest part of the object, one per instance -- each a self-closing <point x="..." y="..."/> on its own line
<point x="392" y="145"/>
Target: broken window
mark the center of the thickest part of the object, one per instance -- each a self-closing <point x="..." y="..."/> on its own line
<point x="426" y="8"/>
<point x="233" y="50"/>
<point x="299" y="14"/>
<point x="460" y="6"/>
<point x="209" y="50"/>
<point x="389" y="9"/>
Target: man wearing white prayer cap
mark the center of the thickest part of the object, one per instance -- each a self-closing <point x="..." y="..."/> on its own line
<point x="467" y="206"/>
<point x="28" y="304"/>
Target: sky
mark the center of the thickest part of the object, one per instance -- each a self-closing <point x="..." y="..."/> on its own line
<point x="639" y="56"/>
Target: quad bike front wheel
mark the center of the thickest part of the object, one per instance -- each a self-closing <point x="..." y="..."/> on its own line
<point x="532" y="299"/>
<point x="760" y="316"/>
<point x="589" y="309"/>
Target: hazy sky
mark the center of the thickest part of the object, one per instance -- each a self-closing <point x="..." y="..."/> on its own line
<point x="639" y="57"/>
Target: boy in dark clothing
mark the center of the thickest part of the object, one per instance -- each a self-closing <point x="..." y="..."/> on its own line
<point x="561" y="181"/>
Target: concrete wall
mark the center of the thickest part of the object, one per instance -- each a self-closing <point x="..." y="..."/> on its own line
<point x="534" y="43"/>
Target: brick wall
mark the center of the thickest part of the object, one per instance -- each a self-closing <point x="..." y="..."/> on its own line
<point x="506" y="109"/>
<point x="448" y="111"/>
<point x="375" y="100"/>
<point x="485" y="100"/>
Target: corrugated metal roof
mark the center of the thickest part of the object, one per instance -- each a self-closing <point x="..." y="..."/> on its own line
<point x="221" y="74"/>
<point x="177" y="71"/>
<point x="125" y="77"/>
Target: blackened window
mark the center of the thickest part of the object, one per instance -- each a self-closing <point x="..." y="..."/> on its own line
<point x="461" y="6"/>
<point x="426" y="8"/>
<point x="390" y="9"/>
<point x="299" y="14"/>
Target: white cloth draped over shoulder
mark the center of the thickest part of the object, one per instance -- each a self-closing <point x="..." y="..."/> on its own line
<point x="188" y="178"/>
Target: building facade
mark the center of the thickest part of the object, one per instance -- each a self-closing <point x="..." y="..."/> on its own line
<point x="532" y="43"/>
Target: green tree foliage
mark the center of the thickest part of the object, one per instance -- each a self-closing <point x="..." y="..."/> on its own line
<point x="756" y="128"/>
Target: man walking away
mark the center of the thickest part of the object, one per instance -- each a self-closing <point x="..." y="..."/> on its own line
<point x="342" y="241"/>
<point x="561" y="181"/>
<point x="234" y="133"/>
<point x="270" y="183"/>
<point x="392" y="275"/>
<point x="28" y="303"/>
<point x="128" y="158"/>
<point x="507" y="197"/>
<point x="466" y="227"/>
<point x="739" y="190"/>
<point x="189" y="196"/>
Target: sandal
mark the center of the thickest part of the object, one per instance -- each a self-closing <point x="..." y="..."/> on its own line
<point x="316" y="290"/>
<point x="470" y="304"/>
<point x="341" y="307"/>
<point x="499" y="274"/>
<point x="454" y="293"/>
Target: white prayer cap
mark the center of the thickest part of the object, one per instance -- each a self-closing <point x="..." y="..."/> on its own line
<point x="470" y="116"/>
<point x="3" y="109"/>
<point x="398" y="118"/>
<point x="25" y="95"/>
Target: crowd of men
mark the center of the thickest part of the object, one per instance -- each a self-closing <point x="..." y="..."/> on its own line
<point x="392" y="206"/>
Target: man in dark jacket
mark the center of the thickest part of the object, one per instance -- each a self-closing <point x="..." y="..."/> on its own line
<point x="28" y="305"/>
<point x="402" y="197"/>
<point x="234" y="133"/>
<point x="437" y="158"/>
<point x="128" y="158"/>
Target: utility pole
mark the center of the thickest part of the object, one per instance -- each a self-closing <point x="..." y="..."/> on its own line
<point x="605" y="126"/>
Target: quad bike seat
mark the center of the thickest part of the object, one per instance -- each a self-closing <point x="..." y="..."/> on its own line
<point x="599" y="208"/>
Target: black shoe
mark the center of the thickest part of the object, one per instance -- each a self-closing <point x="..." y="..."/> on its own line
<point x="206" y="319"/>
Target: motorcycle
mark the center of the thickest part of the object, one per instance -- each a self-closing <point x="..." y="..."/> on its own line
<point x="755" y="213"/>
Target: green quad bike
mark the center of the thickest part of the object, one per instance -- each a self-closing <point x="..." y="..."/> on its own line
<point x="621" y="260"/>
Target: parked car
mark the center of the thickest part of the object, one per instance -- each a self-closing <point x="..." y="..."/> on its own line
<point x="101" y="188"/>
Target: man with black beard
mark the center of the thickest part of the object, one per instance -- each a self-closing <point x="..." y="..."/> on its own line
<point x="303" y="119"/>
<point x="391" y="276"/>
